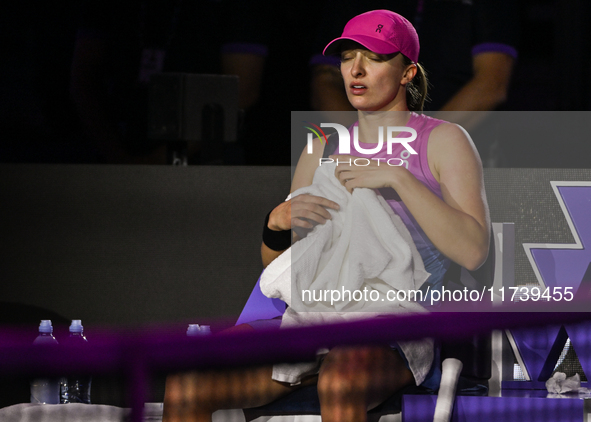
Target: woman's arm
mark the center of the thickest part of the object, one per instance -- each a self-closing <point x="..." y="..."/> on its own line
<point x="458" y="225"/>
<point x="304" y="211"/>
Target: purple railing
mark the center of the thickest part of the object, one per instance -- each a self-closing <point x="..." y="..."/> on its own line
<point x="137" y="353"/>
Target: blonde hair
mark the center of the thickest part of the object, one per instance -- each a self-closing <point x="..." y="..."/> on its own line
<point x="416" y="90"/>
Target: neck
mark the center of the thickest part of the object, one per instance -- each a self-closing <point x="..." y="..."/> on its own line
<point x="371" y="121"/>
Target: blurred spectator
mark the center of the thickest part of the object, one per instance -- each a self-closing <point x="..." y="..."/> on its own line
<point x="468" y="45"/>
<point x="273" y="67"/>
<point x="36" y="116"/>
<point x="118" y="46"/>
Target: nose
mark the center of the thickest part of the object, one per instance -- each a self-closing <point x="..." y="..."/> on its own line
<point x="358" y="68"/>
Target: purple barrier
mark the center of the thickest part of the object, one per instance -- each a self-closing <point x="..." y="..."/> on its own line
<point x="527" y="408"/>
<point x="136" y="353"/>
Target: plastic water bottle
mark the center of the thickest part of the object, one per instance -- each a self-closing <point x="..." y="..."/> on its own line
<point x="198" y="330"/>
<point x="77" y="389"/>
<point x="45" y="390"/>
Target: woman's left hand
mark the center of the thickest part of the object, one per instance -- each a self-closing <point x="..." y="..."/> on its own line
<point x="364" y="172"/>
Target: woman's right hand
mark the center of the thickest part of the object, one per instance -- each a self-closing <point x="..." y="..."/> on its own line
<point x="301" y="213"/>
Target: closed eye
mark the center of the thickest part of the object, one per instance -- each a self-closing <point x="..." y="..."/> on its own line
<point x="379" y="57"/>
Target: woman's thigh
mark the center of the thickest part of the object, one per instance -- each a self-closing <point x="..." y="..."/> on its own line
<point x="203" y="392"/>
<point x="223" y="389"/>
<point x="362" y="374"/>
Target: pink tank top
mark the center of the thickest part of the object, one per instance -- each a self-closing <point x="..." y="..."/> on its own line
<point x="418" y="165"/>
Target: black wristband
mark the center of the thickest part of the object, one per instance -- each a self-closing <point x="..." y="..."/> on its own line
<point x="276" y="240"/>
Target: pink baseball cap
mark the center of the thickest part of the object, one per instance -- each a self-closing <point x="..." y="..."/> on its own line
<point x="381" y="31"/>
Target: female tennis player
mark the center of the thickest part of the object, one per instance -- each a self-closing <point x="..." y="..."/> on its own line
<point x="437" y="190"/>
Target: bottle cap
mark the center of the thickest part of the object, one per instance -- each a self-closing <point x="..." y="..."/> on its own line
<point x="45" y="326"/>
<point x="193" y="330"/>
<point x="205" y="329"/>
<point x="76" y="326"/>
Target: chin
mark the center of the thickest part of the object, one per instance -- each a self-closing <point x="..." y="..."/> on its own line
<point x="364" y="106"/>
<point x="361" y="106"/>
<point x="368" y="109"/>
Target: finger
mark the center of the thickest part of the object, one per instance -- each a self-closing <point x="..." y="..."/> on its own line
<point x="302" y="223"/>
<point x="354" y="163"/>
<point x="326" y="203"/>
<point x="318" y="208"/>
<point x="350" y="185"/>
<point x="317" y="214"/>
<point x="344" y="176"/>
<point x="343" y="162"/>
<point x="343" y="157"/>
<point x="338" y="171"/>
<point x="318" y="200"/>
<point x="342" y="166"/>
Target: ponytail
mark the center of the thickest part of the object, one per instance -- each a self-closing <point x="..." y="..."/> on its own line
<point x="416" y="90"/>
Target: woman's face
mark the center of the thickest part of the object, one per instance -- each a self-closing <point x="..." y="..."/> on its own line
<point x="375" y="82"/>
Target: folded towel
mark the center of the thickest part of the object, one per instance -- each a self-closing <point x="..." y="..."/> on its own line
<point x="364" y="248"/>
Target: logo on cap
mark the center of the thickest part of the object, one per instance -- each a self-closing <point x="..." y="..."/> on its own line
<point x="379" y="28"/>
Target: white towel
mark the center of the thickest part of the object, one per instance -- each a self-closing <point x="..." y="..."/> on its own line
<point x="364" y="247"/>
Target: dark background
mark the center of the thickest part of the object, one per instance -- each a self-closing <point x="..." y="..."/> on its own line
<point x="39" y="123"/>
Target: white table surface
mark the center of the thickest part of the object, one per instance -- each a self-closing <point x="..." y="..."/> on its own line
<point x="75" y="412"/>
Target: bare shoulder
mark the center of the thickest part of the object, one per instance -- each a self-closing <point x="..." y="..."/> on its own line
<point x="451" y="134"/>
<point x="451" y="145"/>
<point x="307" y="165"/>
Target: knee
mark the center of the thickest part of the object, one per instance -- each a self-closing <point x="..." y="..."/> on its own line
<point x="356" y="374"/>
<point x="189" y="392"/>
<point x="335" y="387"/>
<point x="343" y="377"/>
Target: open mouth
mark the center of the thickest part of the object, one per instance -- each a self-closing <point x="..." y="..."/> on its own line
<point x="357" y="89"/>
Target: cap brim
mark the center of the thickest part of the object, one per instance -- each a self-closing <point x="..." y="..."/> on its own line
<point x="372" y="44"/>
